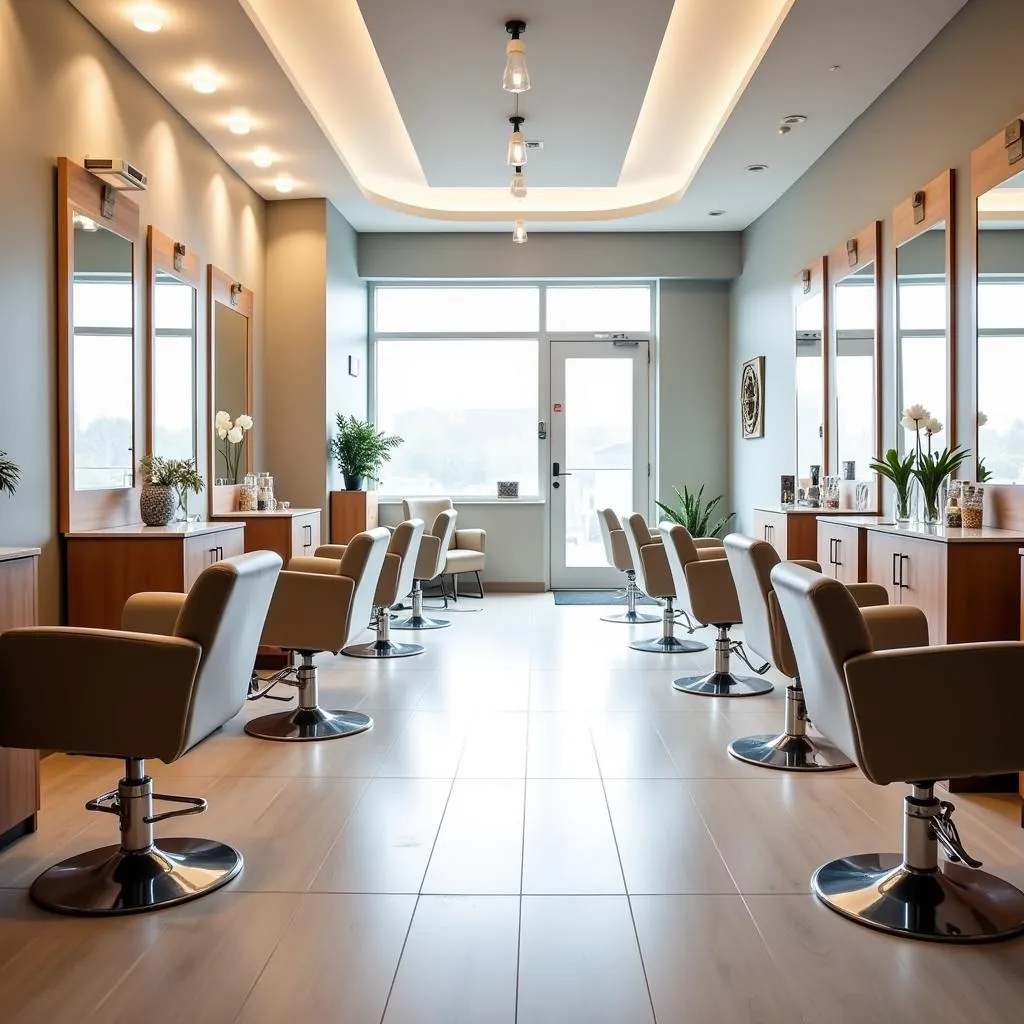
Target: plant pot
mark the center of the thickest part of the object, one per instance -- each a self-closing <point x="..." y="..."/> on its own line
<point x="157" y="504"/>
<point x="353" y="483"/>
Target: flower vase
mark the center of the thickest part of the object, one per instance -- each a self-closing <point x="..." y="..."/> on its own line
<point x="901" y="508"/>
<point x="157" y="504"/>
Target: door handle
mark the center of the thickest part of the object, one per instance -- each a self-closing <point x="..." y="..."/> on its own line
<point x="555" y="467"/>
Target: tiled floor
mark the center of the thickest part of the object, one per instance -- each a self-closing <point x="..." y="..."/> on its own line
<point x="537" y="829"/>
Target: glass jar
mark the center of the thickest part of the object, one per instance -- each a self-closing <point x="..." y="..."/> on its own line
<point x="265" y="493"/>
<point x="973" y="506"/>
<point x="954" y="507"/>
<point x="247" y="494"/>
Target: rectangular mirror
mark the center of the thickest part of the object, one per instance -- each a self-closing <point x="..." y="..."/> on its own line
<point x="855" y="427"/>
<point x="809" y="314"/>
<point x="230" y="308"/>
<point x="923" y="235"/>
<point x="174" y="279"/>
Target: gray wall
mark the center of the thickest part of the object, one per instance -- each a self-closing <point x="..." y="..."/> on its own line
<point x="962" y="89"/>
<point x="65" y="92"/>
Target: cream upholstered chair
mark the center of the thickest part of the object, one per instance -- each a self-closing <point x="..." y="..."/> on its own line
<point x="138" y="695"/>
<point x="429" y="565"/>
<point x="465" y="551"/>
<point x="648" y="556"/>
<point x="320" y="604"/>
<point x="706" y="586"/>
<point x="616" y="550"/>
<point x="765" y="633"/>
<point x="915" y="716"/>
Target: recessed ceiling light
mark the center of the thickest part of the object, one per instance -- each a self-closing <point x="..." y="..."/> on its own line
<point x="148" y="17"/>
<point x="716" y="213"/>
<point x="239" y="124"/>
<point x="794" y="119"/>
<point x="757" y="168"/>
<point x="836" y="67"/>
<point x="262" y="157"/>
<point x="284" y="184"/>
<point x="204" y="79"/>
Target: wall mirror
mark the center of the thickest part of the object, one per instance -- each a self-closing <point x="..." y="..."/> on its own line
<point x="174" y="276"/>
<point x="97" y="231"/>
<point x="230" y="309"/>
<point x="855" y="378"/>
<point x="998" y="188"/>
<point x="810" y="301"/>
<point x="923" y="233"/>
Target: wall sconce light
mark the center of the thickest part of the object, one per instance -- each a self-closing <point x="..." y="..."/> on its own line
<point x="236" y="291"/>
<point x="805" y="280"/>
<point x="179" y="255"/>
<point x="851" y="251"/>
<point x="918" y="206"/>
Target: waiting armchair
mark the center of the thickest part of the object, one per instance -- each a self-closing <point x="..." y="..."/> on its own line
<point x="429" y="565"/>
<point x="914" y="716"/>
<point x="466" y="549"/>
<point x="139" y="695"/>
<point x="616" y="550"/>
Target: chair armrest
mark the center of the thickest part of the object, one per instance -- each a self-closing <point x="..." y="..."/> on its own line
<point x="310" y="611"/>
<point x="154" y="612"/>
<point x="471" y="540"/>
<point x="657" y="574"/>
<point x="96" y="691"/>
<point x="330" y="551"/>
<point x="938" y="712"/>
<point x="712" y="591"/>
<point x="708" y="542"/>
<point x="426" y="560"/>
<point x="895" y="626"/>
<point x="710" y="554"/>
<point x="387" y="584"/>
<point x="315" y="564"/>
<point x="869" y="595"/>
<point x="807" y="563"/>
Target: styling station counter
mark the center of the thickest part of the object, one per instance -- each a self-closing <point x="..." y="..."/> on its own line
<point x="105" y="567"/>
<point x="791" y="529"/>
<point x="291" y="532"/>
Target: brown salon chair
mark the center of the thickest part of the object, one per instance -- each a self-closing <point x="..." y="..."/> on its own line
<point x="616" y="550"/>
<point x="429" y="565"/>
<point x="706" y="586"/>
<point x="466" y="548"/>
<point x="914" y="716"/>
<point x="320" y="605"/>
<point x="134" y="694"/>
<point x="648" y="556"/>
<point x="765" y="633"/>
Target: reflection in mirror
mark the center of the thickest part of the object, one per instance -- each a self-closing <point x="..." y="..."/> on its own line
<point x="230" y="385"/>
<point x="174" y="326"/>
<point x="103" y="321"/>
<point x="1001" y="332"/>
<point x="810" y="387"/>
<point x="921" y="346"/>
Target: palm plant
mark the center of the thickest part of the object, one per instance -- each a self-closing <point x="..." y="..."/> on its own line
<point x="360" y="449"/>
<point x="695" y="514"/>
<point x="930" y="472"/>
<point x="10" y="474"/>
<point x="899" y="472"/>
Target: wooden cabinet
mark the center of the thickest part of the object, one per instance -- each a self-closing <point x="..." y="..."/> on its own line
<point x="842" y="551"/>
<point x="291" y="532"/>
<point x="773" y="528"/>
<point x="793" y="532"/>
<point x="352" y="512"/>
<point x="19" y="769"/>
<point x="105" y="567"/>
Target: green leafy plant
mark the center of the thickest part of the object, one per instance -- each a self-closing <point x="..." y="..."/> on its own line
<point x="899" y="472"/>
<point x="10" y="474"/>
<point x="154" y="470"/>
<point x="181" y="474"/>
<point x="984" y="473"/>
<point x="932" y="469"/>
<point x="359" y="449"/>
<point x="695" y="514"/>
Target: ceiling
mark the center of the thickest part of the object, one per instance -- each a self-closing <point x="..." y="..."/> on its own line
<point x="650" y="110"/>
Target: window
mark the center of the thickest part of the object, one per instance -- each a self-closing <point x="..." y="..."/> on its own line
<point x="1000" y="365"/>
<point x="611" y="308"/>
<point x="508" y="310"/>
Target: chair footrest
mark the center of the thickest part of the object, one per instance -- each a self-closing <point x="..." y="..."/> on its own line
<point x="195" y="805"/>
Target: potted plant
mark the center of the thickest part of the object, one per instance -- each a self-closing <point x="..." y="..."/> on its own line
<point x="360" y="450"/>
<point x="900" y="473"/>
<point x="695" y="514"/>
<point x="10" y="474"/>
<point x="231" y="434"/>
<point x="185" y="479"/>
<point x="158" y="501"/>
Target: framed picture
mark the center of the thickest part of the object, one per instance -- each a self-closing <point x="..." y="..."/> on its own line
<point x="752" y="397"/>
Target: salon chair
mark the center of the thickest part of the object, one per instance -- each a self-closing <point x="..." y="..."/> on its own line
<point x="465" y="551"/>
<point x="913" y="716"/>
<point x="616" y="550"/>
<point x="135" y="695"/>
<point x="429" y="565"/>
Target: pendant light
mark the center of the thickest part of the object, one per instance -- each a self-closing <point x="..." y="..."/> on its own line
<point x="516" y="77"/>
<point x="518" y="187"/>
<point x="516" y="143"/>
<point x="519" y="232"/>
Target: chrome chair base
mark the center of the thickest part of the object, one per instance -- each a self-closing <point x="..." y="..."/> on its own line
<point x="111" y="881"/>
<point x="308" y="724"/>
<point x="419" y="622"/>
<point x="631" y="617"/>
<point x="669" y="645"/>
<point x="723" y="684"/>
<point x="953" y="903"/>
<point x="383" y="649"/>
<point x="790" y="753"/>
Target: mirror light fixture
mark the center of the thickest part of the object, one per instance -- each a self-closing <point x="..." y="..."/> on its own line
<point x="262" y="157"/>
<point x="148" y="17"/>
<point x="519" y="232"/>
<point x="516" y="77"/>
<point x="516" y="143"/>
<point x="204" y="79"/>
<point x="518" y="188"/>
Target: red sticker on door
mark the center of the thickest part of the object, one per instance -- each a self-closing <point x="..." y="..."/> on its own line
<point x="557" y="406"/>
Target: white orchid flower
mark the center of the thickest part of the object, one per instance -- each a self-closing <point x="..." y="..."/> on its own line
<point x="222" y="432"/>
<point x="235" y="435"/>
<point x="916" y="412"/>
<point x="932" y="426"/>
<point x="244" y="421"/>
<point x="982" y="418"/>
<point x="223" y="419"/>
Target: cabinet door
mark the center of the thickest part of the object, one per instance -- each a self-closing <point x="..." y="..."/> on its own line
<point x="200" y="552"/>
<point x="884" y="551"/>
<point x="827" y="555"/>
<point x="230" y="542"/>
<point x="922" y="582"/>
<point x="305" y="534"/>
<point x="840" y="551"/>
<point x="771" y="527"/>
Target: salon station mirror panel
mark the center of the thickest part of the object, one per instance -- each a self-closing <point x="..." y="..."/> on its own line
<point x="923" y="228"/>
<point x="854" y="374"/>
<point x="175" y="276"/>
<point x="810" y="302"/>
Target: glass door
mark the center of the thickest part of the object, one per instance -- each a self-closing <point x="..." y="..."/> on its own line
<point x="599" y="437"/>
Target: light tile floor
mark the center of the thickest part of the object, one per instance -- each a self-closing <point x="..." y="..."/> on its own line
<point x="537" y="829"/>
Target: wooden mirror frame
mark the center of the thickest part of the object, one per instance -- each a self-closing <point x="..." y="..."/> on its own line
<point x="939" y="205"/>
<point x="223" y="288"/>
<point x="867" y="245"/>
<point x="160" y="255"/>
<point x="78" y="191"/>
<point x="811" y="281"/>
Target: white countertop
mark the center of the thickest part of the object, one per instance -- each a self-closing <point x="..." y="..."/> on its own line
<point x="941" y="533"/>
<point x="278" y="513"/>
<point x="172" y="530"/>
<point x="8" y="554"/>
<point x="786" y="510"/>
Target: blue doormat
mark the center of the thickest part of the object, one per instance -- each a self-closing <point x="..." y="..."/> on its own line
<point x="596" y="597"/>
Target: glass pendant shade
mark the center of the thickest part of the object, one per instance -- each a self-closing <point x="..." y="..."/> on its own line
<point x="518" y="188"/>
<point x="517" y="149"/>
<point x="519" y="232"/>
<point x="516" y="77"/>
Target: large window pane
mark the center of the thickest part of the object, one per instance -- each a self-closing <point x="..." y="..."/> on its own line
<point x="103" y="411"/>
<point x="599" y="308"/>
<point x="1001" y="418"/>
<point x="459" y="310"/>
<point x="922" y="307"/>
<point x="467" y="410"/>
<point x="923" y="380"/>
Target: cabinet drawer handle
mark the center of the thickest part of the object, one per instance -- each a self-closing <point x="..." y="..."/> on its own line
<point x="895" y="561"/>
<point x="904" y="558"/>
<point x="836" y="562"/>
